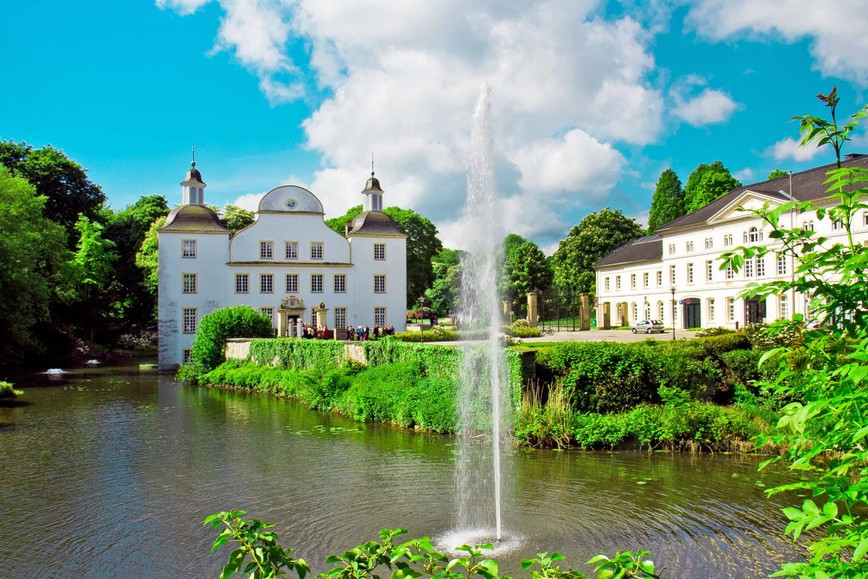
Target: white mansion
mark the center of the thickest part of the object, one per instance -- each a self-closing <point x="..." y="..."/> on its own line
<point x="288" y="264"/>
<point x="676" y="273"/>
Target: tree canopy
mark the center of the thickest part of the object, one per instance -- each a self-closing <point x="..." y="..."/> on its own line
<point x="64" y="183"/>
<point x="707" y="183"/>
<point x="526" y="269"/>
<point x="777" y="174"/>
<point x="668" y="201"/>
<point x="595" y="236"/>
<point x="237" y="218"/>
<point x="446" y="288"/>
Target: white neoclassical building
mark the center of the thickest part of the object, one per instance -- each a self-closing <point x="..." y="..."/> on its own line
<point x="288" y="264"/>
<point x="675" y="276"/>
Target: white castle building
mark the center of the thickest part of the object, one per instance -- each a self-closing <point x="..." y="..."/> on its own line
<point x="675" y="276"/>
<point x="288" y="264"/>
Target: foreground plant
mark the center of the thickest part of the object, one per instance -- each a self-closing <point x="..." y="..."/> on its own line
<point x="410" y="559"/>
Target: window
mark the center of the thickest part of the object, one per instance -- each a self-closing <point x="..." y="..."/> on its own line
<point x="632" y="280"/>
<point x="689" y="246"/>
<point x="709" y="270"/>
<point x="727" y="240"/>
<point x="316" y="249"/>
<point x="710" y="302"/>
<point x="340" y="283"/>
<point x="242" y="283"/>
<point x="379" y="251"/>
<point x="784" y="307"/>
<point x="672" y="274"/>
<point x="266" y="250"/>
<point x="607" y="283"/>
<point x="380" y="316"/>
<point x="754" y="235"/>
<point x="730" y="273"/>
<point x="379" y="284"/>
<point x="709" y="243"/>
<point x="291" y="250"/>
<point x="189" y="320"/>
<point x="760" y="266"/>
<point x="635" y="311"/>
<point x="316" y="283"/>
<point x="188" y="283"/>
<point x="659" y="278"/>
<point x="188" y="248"/>
<point x="186" y="356"/>
<point x="661" y="309"/>
<point x="865" y="218"/>
<point x="291" y="283"/>
<point x="808" y="225"/>
<point x="782" y="264"/>
<point x="837" y="225"/>
<point x="671" y="249"/>
<point x="645" y="279"/>
<point x="340" y="317"/>
<point x="617" y="282"/>
<point x="266" y="283"/>
<point x="268" y="312"/>
<point x="748" y="268"/>
<point x="730" y="309"/>
<point x="689" y="273"/>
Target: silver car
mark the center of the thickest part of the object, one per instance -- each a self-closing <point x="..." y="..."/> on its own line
<point x="648" y="326"/>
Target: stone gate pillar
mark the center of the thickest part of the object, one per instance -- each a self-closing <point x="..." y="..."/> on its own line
<point x="507" y="311"/>
<point x="531" y="309"/>
<point x="584" y="312"/>
<point x="321" y="315"/>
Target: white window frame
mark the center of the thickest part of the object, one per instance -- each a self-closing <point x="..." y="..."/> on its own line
<point x="672" y="274"/>
<point x="268" y="312"/>
<point x="380" y="316"/>
<point x="291" y="283"/>
<point x="710" y="306"/>
<point x="266" y="249"/>
<point x="341" y="317"/>
<point x="379" y="252"/>
<point x="709" y="270"/>
<point x="242" y="283"/>
<point x="380" y="283"/>
<point x="266" y="283"/>
<point x="690" y="274"/>
<point x="316" y="250"/>
<point x="313" y="286"/>
<point x="760" y="266"/>
<point x="659" y="277"/>
<point x="632" y="280"/>
<point x="189" y="319"/>
<point x="340" y="288"/>
<point x="186" y="355"/>
<point x="607" y="283"/>
<point x="645" y="279"/>
<point x="782" y="264"/>
<point x="189" y="283"/>
<point x="188" y="249"/>
<point x="291" y="250"/>
<point x="730" y="309"/>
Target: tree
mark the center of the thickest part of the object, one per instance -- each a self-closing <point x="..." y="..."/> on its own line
<point x="422" y="245"/>
<point x="237" y="218"/>
<point x="597" y="235"/>
<point x="92" y="266"/>
<point x="32" y="253"/>
<point x="208" y="350"/>
<point x="62" y="181"/>
<point x="777" y="174"/>
<point x="527" y="270"/>
<point x="707" y="183"/>
<point x="148" y="258"/>
<point x="668" y="201"/>
<point x="445" y="290"/>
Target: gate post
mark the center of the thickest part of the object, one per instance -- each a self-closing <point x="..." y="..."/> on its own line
<point x="584" y="312"/>
<point x="531" y="309"/>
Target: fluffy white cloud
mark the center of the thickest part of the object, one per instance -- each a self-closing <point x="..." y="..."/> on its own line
<point x="401" y="79"/>
<point x="249" y="201"/>
<point x="790" y="149"/>
<point x="705" y="108"/>
<point x="745" y="175"/>
<point x="838" y="45"/>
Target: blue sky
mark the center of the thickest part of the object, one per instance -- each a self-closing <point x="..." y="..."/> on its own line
<point x="590" y="100"/>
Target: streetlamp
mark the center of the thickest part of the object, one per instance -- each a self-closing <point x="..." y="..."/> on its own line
<point x="673" y="312"/>
<point x="422" y="301"/>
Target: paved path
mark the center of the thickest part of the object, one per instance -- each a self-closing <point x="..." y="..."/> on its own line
<point x="608" y="336"/>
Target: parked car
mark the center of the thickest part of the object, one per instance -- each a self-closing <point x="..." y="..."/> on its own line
<point x="648" y="326"/>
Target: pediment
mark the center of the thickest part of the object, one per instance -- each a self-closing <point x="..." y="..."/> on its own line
<point x="742" y="207"/>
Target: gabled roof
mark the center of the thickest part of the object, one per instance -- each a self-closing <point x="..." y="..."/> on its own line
<point x="641" y="249"/>
<point x="807" y="186"/>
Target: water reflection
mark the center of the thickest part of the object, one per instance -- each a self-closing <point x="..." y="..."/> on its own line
<point x="114" y="470"/>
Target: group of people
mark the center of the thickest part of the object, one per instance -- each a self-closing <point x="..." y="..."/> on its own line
<point x="363" y="333"/>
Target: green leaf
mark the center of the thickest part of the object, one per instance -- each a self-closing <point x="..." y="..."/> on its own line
<point x="860" y="550"/>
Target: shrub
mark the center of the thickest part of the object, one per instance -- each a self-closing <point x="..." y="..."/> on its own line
<point x="522" y="329"/>
<point x="764" y="337"/>
<point x="209" y="346"/>
<point x="7" y="391"/>
<point x="435" y="334"/>
<point x="719" y="331"/>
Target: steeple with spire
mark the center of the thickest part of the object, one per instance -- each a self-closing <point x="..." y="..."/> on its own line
<point x="193" y="187"/>
<point x="372" y="192"/>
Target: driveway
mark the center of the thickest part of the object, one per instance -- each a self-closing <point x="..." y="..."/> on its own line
<point x="609" y="336"/>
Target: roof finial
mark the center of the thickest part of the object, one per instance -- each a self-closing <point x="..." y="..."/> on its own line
<point x="194" y="154"/>
<point x="372" y="163"/>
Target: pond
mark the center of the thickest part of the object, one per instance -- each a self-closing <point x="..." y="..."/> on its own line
<point x="111" y="471"/>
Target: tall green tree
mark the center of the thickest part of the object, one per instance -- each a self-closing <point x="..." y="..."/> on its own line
<point x="422" y="245"/>
<point x="92" y="267"/>
<point x="445" y="290"/>
<point x="148" y="258"/>
<point x="63" y="182"/>
<point x="595" y="236"/>
<point x="668" y="201"/>
<point x="527" y="269"/>
<point x="707" y="183"/>
<point x="237" y="218"/>
<point x="32" y="255"/>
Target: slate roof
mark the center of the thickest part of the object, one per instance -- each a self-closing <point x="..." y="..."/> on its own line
<point x="373" y="223"/>
<point x="807" y="186"/>
<point x="194" y="219"/>
<point x="641" y="249"/>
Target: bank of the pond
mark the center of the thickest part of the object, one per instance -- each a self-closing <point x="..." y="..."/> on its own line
<point x="685" y="395"/>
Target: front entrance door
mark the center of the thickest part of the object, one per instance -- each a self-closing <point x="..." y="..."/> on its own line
<point x="692" y="313"/>
<point x="754" y="311"/>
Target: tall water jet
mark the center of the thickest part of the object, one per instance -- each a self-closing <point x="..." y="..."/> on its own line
<point x="483" y="407"/>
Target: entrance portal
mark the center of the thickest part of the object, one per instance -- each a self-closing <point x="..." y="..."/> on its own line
<point x="289" y="315"/>
<point x="754" y="311"/>
<point x="692" y="315"/>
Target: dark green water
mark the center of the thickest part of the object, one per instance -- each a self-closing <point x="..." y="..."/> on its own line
<point x="111" y="472"/>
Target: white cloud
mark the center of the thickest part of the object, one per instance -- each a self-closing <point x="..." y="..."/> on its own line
<point x="182" y="6"/>
<point x="788" y="148"/>
<point x="249" y="201"/>
<point x="705" y="108"/>
<point x="568" y="88"/>
<point x="745" y="175"/>
<point x="834" y="28"/>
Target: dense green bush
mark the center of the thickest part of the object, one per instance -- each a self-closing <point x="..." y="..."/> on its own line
<point x="435" y="334"/>
<point x="209" y="346"/>
<point x="297" y="353"/>
<point x="7" y="391"/>
<point x="765" y="337"/>
<point x="718" y="331"/>
<point x="522" y="329"/>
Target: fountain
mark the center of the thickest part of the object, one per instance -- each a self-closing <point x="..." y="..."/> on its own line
<point x="483" y="407"/>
